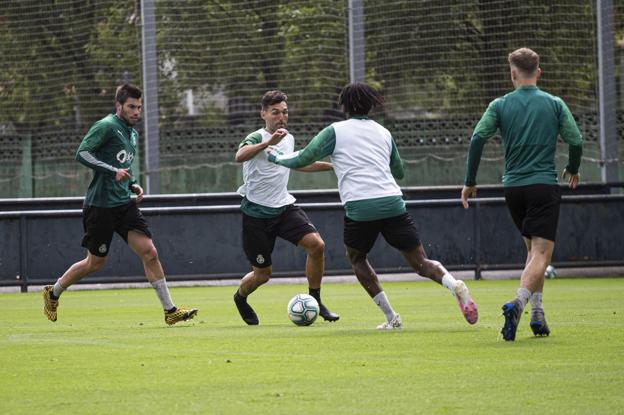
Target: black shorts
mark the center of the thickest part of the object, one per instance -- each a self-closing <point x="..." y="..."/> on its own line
<point x="399" y="231"/>
<point x="259" y="234"/>
<point x="535" y="209"/>
<point x="100" y="223"/>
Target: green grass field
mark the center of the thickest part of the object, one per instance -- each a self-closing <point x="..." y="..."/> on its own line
<point x="111" y="353"/>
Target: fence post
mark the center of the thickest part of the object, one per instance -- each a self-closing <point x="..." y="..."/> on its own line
<point x="26" y="174"/>
<point x="606" y="92"/>
<point x="356" y="41"/>
<point x="23" y="251"/>
<point x="150" y="97"/>
<point x="477" y="239"/>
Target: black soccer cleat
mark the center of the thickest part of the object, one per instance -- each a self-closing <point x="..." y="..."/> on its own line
<point x="246" y="312"/>
<point x="538" y="323"/>
<point x="326" y="314"/>
<point x="512" y="312"/>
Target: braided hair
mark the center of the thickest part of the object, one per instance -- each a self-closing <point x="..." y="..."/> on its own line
<point x="359" y="99"/>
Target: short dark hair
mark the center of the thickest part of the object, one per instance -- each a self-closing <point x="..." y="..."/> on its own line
<point x="273" y="97"/>
<point x="526" y="60"/>
<point x="359" y="98"/>
<point x="126" y="91"/>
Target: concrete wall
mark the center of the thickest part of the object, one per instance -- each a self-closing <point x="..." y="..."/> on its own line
<point x="199" y="242"/>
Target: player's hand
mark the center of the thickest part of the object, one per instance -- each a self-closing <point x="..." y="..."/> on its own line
<point x="272" y="153"/>
<point x="122" y="174"/>
<point x="468" y="191"/>
<point x="137" y="190"/>
<point x="572" y="179"/>
<point x="277" y="136"/>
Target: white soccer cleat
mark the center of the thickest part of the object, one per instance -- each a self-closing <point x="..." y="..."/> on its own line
<point x="465" y="302"/>
<point x="394" y="324"/>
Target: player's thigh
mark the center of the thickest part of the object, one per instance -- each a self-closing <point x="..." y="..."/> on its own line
<point x="360" y="236"/>
<point x="141" y="244"/>
<point x="99" y="225"/>
<point x="294" y="225"/>
<point x="258" y="240"/>
<point x="542" y="217"/>
<point x="401" y="232"/>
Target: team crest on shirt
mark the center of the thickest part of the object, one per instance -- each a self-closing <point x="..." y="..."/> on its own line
<point x="133" y="138"/>
<point x="102" y="249"/>
<point x="260" y="259"/>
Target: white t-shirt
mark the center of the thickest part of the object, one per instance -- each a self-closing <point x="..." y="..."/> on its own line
<point x="361" y="160"/>
<point x="265" y="183"/>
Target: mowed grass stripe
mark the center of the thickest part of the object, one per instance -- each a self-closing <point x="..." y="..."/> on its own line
<point x="111" y="352"/>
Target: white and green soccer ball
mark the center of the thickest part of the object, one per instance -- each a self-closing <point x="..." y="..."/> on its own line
<point x="303" y="309"/>
<point x="550" y="272"/>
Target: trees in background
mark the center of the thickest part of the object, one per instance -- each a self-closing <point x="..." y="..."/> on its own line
<point x="62" y="58"/>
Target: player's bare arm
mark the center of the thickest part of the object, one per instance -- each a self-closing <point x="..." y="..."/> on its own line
<point x="247" y="152"/>
<point x="317" y="166"/>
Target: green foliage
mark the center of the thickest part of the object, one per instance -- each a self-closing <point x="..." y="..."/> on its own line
<point x="111" y="352"/>
<point x="63" y="61"/>
<point x="66" y="56"/>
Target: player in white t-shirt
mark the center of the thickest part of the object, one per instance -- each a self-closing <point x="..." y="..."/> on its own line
<point x="269" y="211"/>
<point x="367" y="162"/>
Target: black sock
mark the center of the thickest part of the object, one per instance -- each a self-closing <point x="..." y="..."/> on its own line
<point x="239" y="296"/>
<point x="316" y="293"/>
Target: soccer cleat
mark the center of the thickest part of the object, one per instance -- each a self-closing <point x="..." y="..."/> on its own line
<point x="538" y="323"/>
<point x="465" y="302"/>
<point x="394" y="324"/>
<point x="512" y="312"/>
<point x="246" y="312"/>
<point x="326" y="314"/>
<point x="179" y="314"/>
<point x="49" y="304"/>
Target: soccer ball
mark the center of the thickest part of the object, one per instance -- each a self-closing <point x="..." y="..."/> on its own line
<point x="550" y="272"/>
<point x="303" y="309"/>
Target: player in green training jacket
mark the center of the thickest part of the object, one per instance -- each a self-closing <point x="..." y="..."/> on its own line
<point x="108" y="149"/>
<point x="529" y="121"/>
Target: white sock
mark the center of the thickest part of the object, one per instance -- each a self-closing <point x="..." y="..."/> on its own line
<point x="523" y="296"/>
<point x="162" y="291"/>
<point x="536" y="301"/>
<point x="382" y="302"/>
<point x="448" y="281"/>
<point x="58" y="289"/>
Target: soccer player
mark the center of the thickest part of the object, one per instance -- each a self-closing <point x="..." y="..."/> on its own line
<point x="269" y="211"/>
<point x="529" y="121"/>
<point x="366" y="162"/>
<point x="109" y="148"/>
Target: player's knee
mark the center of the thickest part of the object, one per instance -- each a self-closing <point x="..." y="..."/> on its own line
<point x="262" y="276"/>
<point x="94" y="264"/>
<point x="355" y="257"/>
<point x="317" y="249"/>
<point x="150" y="254"/>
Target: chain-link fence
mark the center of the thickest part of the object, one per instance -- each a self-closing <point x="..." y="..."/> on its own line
<point x="438" y="63"/>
